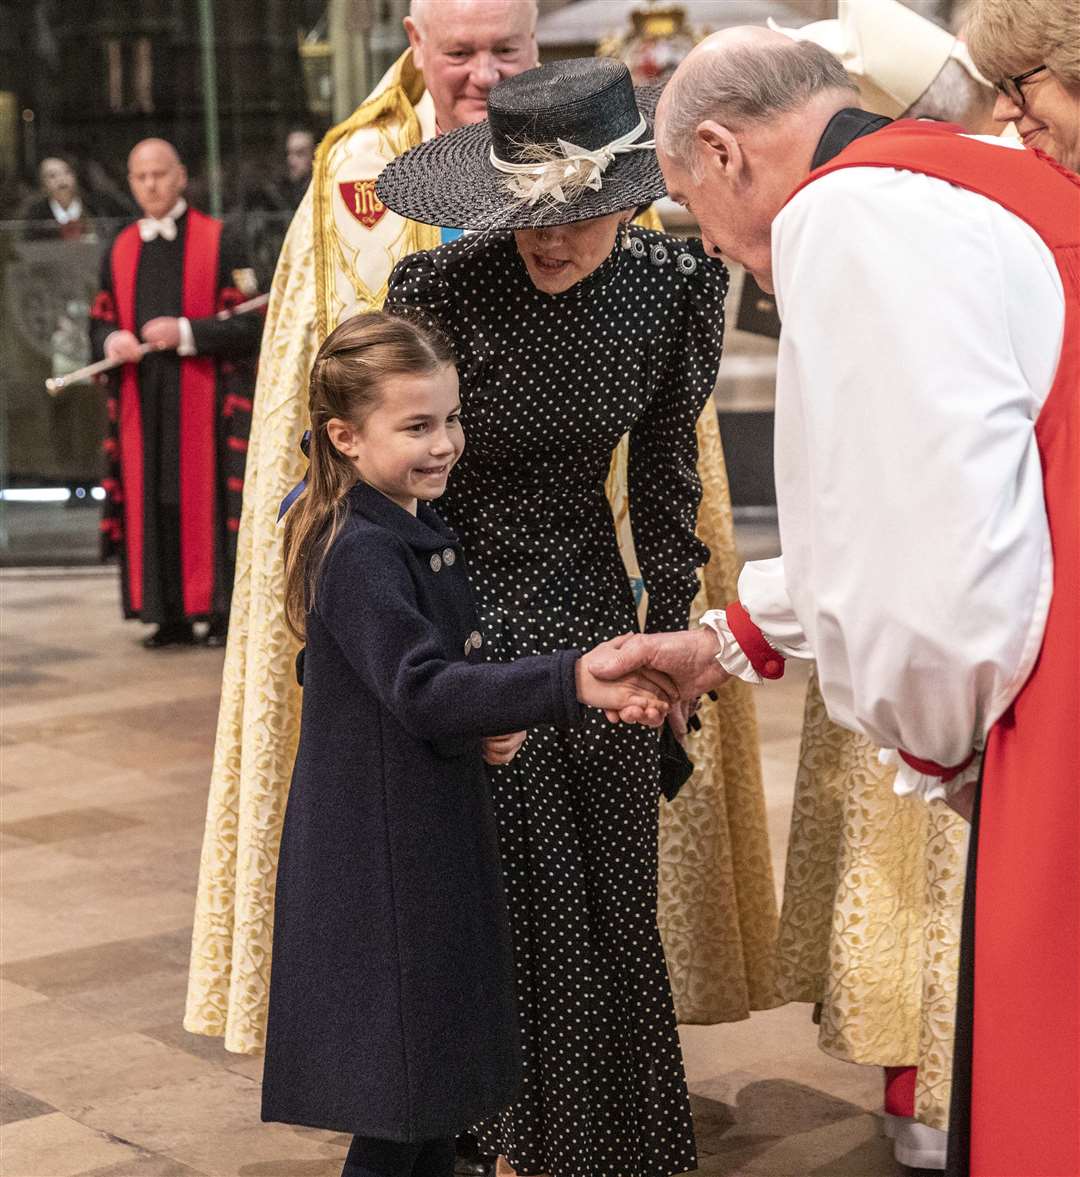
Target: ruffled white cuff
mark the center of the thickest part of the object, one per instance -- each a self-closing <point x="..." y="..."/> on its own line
<point x="732" y="657"/>
<point x="930" y="788"/>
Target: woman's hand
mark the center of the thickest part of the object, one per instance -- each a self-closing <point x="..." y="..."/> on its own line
<point x="646" y="696"/>
<point x="503" y="749"/>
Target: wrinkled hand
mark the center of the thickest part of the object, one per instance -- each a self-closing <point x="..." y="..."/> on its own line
<point x="503" y="749"/>
<point x="688" y="659"/>
<point x="122" y="347"/>
<point x="162" y="333"/>
<point x="636" y="697"/>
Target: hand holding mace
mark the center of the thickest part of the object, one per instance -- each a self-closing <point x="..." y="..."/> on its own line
<point x="56" y="384"/>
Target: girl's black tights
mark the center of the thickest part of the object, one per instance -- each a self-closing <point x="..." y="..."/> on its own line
<point x="370" y="1157"/>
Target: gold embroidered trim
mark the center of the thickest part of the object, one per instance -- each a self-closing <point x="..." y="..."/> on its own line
<point x="395" y="106"/>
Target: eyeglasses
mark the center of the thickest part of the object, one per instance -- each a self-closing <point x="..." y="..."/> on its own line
<point x="1012" y="89"/>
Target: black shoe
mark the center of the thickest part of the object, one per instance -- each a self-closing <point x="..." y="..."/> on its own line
<point x="473" y="1167"/>
<point x="179" y="633"/>
<point x="216" y="635"/>
<point x="471" y="1162"/>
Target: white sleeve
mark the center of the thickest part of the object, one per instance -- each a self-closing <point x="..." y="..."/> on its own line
<point x="909" y="485"/>
<point x="186" y="346"/>
<point x="763" y="594"/>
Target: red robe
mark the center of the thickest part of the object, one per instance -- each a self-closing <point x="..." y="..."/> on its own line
<point x="1018" y="1112"/>
<point x="214" y="418"/>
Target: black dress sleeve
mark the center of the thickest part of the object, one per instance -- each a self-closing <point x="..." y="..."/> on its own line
<point x="420" y="291"/>
<point x="664" y="486"/>
<point x="238" y="337"/>
<point x="367" y="600"/>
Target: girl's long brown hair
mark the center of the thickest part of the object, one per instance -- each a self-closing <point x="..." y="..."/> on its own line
<point x="346" y="380"/>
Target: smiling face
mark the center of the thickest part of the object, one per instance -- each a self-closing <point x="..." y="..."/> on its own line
<point x="463" y="47"/>
<point x="1049" y="118"/>
<point x="561" y="256"/>
<point x="407" y="444"/>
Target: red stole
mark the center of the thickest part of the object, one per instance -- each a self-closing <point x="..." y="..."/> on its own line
<point x="1025" y="1080"/>
<point x="198" y="417"/>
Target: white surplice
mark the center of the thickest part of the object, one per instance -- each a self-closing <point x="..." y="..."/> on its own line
<point x="922" y="325"/>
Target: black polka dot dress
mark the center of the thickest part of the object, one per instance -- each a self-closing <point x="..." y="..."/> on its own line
<point x="549" y="385"/>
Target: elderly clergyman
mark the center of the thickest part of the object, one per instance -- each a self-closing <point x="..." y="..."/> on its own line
<point x="883" y="986"/>
<point x="927" y="458"/>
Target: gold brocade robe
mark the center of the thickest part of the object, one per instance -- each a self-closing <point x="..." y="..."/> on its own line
<point x="336" y="260"/>
<point x="870" y="926"/>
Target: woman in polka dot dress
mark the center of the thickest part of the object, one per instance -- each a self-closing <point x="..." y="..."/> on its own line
<point x="572" y="329"/>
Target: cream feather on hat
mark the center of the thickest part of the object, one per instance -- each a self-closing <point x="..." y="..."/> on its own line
<point x="891" y="52"/>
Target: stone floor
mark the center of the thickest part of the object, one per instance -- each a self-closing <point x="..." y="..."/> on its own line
<point x="105" y="757"/>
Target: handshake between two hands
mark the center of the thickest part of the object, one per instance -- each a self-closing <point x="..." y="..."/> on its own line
<point x="638" y="678"/>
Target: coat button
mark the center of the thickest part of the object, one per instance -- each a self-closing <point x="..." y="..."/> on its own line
<point x="475" y="640"/>
<point x="436" y="563"/>
<point x="449" y="557"/>
<point x="468" y="647"/>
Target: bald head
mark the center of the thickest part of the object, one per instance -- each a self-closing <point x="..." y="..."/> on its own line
<point x="736" y="129"/>
<point x="156" y="175"/>
<point x="747" y="75"/>
<point x="464" y="47"/>
<point x="159" y="150"/>
<point x="422" y="11"/>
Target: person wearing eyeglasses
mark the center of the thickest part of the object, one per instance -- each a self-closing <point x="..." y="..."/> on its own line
<point x="1031" y="48"/>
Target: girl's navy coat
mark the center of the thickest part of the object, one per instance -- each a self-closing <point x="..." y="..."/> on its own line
<point x="391" y="996"/>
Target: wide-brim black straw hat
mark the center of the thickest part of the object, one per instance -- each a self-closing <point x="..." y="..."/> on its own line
<point x="568" y="141"/>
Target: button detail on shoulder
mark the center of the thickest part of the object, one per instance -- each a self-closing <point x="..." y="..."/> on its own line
<point x="476" y="640"/>
<point x="686" y="263"/>
<point x="659" y="255"/>
<point x="436" y="562"/>
<point x="637" y="247"/>
<point x="449" y="557"/>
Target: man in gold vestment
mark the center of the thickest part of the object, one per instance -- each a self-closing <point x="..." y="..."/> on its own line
<point x="873" y="891"/>
<point x="337" y="257"/>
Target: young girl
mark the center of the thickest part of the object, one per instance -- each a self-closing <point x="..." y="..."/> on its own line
<point x="391" y="999"/>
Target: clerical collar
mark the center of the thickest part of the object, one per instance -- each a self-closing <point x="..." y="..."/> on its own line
<point x="844" y="128"/>
<point x="65" y="215"/>
<point x="151" y="228"/>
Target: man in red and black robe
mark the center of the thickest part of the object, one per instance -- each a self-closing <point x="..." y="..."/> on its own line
<point x="179" y="416"/>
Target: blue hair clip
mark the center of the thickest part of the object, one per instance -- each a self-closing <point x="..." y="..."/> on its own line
<point x="301" y="486"/>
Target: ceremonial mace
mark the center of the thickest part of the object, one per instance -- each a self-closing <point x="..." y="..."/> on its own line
<point x="56" y="384"/>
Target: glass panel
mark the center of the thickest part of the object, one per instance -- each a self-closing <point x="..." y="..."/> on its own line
<point x="50" y="446"/>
